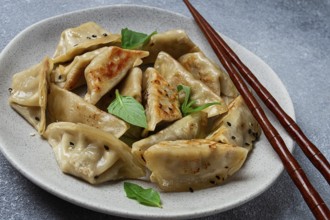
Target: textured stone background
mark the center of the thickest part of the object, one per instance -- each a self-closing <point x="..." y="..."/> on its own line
<point x="292" y="37"/>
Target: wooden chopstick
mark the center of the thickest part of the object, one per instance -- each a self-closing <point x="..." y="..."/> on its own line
<point x="310" y="195"/>
<point x="309" y="149"/>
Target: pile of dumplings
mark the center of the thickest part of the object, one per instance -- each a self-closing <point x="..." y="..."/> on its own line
<point x="65" y="98"/>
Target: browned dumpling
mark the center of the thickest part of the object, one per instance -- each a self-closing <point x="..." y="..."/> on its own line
<point x="174" y="42"/>
<point x="176" y="74"/>
<point x="186" y="165"/>
<point x="64" y="105"/>
<point x="131" y="85"/>
<point x="70" y="76"/>
<point x="29" y="94"/>
<point x="78" y="40"/>
<point x="91" y="154"/>
<point x="190" y="127"/>
<point x="107" y="69"/>
<point x="162" y="101"/>
<point x="193" y="63"/>
<point x="237" y="126"/>
<point x="209" y="73"/>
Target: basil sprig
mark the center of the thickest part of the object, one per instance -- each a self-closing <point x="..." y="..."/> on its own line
<point x="147" y="197"/>
<point x="128" y="109"/>
<point x="134" y="40"/>
<point x="187" y="105"/>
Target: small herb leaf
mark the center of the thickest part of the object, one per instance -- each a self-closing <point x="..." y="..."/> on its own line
<point x="134" y="40"/>
<point x="187" y="105"/>
<point x="128" y="109"/>
<point x="147" y="197"/>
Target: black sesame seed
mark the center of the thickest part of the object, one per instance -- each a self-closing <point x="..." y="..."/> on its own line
<point x="191" y="189"/>
<point x="105" y="34"/>
<point x="106" y="147"/>
<point x="247" y="144"/>
<point x="228" y="123"/>
<point x="143" y="158"/>
<point x="95" y="177"/>
<point x="212" y="182"/>
<point x="88" y="38"/>
<point x="37" y="118"/>
<point x="10" y="90"/>
<point x="233" y="137"/>
<point x="218" y="177"/>
<point x="71" y="143"/>
<point x="226" y="167"/>
<point x="60" y="77"/>
<point x="94" y="36"/>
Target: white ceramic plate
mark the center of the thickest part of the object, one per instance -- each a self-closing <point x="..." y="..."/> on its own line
<point x="34" y="158"/>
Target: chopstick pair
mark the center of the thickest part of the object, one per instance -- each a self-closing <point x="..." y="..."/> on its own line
<point x="232" y="63"/>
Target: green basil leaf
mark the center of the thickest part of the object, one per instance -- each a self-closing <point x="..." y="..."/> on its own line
<point x="200" y="108"/>
<point x="187" y="105"/>
<point x="147" y="197"/>
<point x="134" y="40"/>
<point x="128" y="109"/>
<point x="191" y="103"/>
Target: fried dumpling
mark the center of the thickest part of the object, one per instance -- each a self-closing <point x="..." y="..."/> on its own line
<point x="174" y="42"/>
<point x="86" y="37"/>
<point x="192" y="126"/>
<point x="108" y="68"/>
<point x="193" y="62"/>
<point x="176" y="74"/>
<point x="70" y="76"/>
<point x="237" y="126"/>
<point x="91" y="154"/>
<point x="132" y="84"/>
<point x="162" y="101"/>
<point x="186" y="165"/>
<point x="209" y="73"/>
<point x="64" y="105"/>
<point x="29" y="93"/>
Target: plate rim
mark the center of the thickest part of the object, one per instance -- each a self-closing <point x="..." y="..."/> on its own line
<point x="62" y="195"/>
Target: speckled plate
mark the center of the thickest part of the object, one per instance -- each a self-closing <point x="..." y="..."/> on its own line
<point x="34" y="158"/>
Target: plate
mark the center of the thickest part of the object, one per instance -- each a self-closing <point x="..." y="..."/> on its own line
<point x="33" y="156"/>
